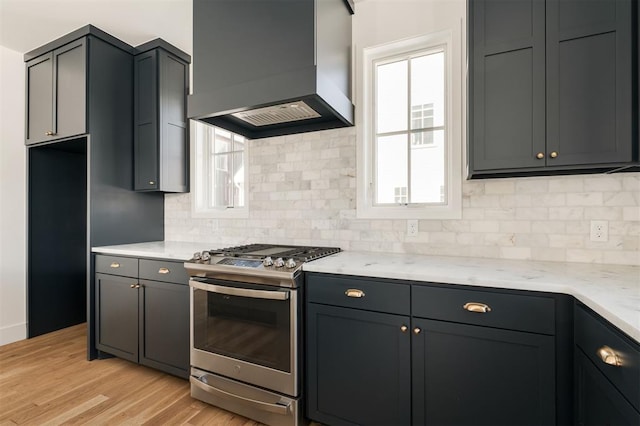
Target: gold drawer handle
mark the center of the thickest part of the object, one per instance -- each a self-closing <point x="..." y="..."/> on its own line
<point x="477" y="307"/>
<point x="553" y="154"/>
<point x="354" y="292"/>
<point x="132" y="286"/>
<point x="114" y="265"/>
<point x="163" y="271"/>
<point x="50" y="133"/>
<point x="417" y="330"/>
<point x="404" y="328"/>
<point x="540" y="156"/>
<point x="609" y="356"/>
<point x="151" y="182"/>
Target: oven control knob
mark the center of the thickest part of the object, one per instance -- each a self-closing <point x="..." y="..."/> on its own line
<point x="278" y="263"/>
<point x="267" y="261"/>
<point x="290" y="263"/>
<point x="205" y="255"/>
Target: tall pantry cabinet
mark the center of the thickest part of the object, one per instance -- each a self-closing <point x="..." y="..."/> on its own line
<point x="79" y="135"/>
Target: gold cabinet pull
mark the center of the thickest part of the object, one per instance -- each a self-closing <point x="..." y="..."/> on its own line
<point x="49" y="133"/>
<point x="164" y="271"/>
<point x="151" y="182"/>
<point x="354" y="292"/>
<point x="477" y="307"/>
<point x="132" y="286"/>
<point x="609" y="356"/>
<point x="404" y="328"/>
<point x="137" y="285"/>
<point x="553" y="154"/>
<point x="416" y="330"/>
<point x="114" y="265"/>
<point x="540" y="155"/>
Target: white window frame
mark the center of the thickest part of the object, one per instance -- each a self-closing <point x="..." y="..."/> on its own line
<point x="451" y="42"/>
<point x="218" y="212"/>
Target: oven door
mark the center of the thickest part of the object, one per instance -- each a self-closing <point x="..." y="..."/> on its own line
<point x="245" y="332"/>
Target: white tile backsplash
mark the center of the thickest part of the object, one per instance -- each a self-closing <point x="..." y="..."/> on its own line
<point x="303" y="191"/>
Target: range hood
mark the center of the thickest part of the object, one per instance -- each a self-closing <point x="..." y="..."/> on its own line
<point x="265" y="68"/>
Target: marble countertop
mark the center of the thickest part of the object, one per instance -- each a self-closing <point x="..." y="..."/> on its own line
<point x="612" y="291"/>
<point x="173" y="250"/>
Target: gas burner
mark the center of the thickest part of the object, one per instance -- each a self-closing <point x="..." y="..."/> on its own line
<point x="265" y="263"/>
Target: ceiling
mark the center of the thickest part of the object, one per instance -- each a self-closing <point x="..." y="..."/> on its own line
<point x="28" y="24"/>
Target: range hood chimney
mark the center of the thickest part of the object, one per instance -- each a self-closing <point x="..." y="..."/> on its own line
<point x="265" y="68"/>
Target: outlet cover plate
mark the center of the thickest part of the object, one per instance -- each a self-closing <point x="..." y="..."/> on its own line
<point x="599" y="231"/>
<point x="412" y="228"/>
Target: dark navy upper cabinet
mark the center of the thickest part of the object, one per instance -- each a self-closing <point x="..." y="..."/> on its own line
<point x="589" y="82"/>
<point x="507" y="81"/>
<point x="56" y="93"/>
<point x="161" y="85"/>
<point x="551" y="86"/>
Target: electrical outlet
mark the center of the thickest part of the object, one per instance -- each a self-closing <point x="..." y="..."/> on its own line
<point x="599" y="230"/>
<point x="412" y="228"/>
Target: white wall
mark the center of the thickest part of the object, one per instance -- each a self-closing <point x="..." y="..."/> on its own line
<point x="303" y="187"/>
<point x="13" y="192"/>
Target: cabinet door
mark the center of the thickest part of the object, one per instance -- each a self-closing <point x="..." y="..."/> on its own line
<point x="598" y="402"/>
<point x="174" y="145"/>
<point x="589" y="81"/>
<point x="117" y="316"/>
<point x="145" y="116"/>
<point x="470" y="375"/>
<point x="507" y="84"/>
<point x="164" y="327"/>
<point x="69" y="75"/>
<point x="358" y="367"/>
<point x="39" y="108"/>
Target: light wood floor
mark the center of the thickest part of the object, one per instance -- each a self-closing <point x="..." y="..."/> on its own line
<point x="47" y="380"/>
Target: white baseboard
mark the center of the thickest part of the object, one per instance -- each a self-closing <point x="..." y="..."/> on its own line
<point x="13" y="333"/>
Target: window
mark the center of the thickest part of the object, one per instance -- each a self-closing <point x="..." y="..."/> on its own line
<point x="220" y="173"/>
<point x="410" y="141"/>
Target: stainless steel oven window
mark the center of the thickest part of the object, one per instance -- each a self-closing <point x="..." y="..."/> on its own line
<point x="247" y="323"/>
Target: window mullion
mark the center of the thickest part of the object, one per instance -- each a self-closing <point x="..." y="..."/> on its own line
<point x="409" y="131"/>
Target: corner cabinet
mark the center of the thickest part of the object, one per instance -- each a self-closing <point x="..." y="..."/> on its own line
<point x="398" y="353"/>
<point x="161" y="85"/>
<point x="551" y="86"/>
<point x="56" y="93"/>
<point x="607" y="373"/>
<point x="142" y="312"/>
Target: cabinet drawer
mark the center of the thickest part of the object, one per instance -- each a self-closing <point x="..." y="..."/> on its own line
<point x="508" y="311"/>
<point x="374" y="295"/>
<point x="163" y="270"/>
<point x="592" y="335"/>
<point x="117" y="265"/>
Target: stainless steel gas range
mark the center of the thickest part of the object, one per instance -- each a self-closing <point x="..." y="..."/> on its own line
<point x="246" y="304"/>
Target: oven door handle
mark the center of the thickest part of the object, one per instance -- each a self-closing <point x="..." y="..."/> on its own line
<point x="242" y="292"/>
<point x="260" y="405"/>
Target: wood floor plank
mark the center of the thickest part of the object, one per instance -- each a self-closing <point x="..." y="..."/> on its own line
<point x="48" y="381"/>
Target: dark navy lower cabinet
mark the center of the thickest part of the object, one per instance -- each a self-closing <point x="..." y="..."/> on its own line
<point x="388" y="352"/>
<point x="607" y="372"/>
<point x="358" y="361"/>
<point x="142" y="312"/>
<point x="469" y="375"/>
<point x="598" y="402"/>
